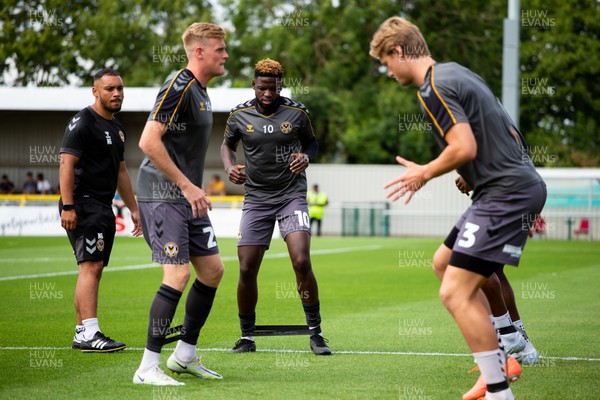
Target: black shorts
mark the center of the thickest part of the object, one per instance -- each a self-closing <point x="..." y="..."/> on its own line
<point x="493" y="231"/>
<point x="94" y="235"/>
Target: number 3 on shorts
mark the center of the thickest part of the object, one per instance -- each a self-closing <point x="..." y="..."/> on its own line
<point x="469" y="235"/>
<point x="211" y="237"/>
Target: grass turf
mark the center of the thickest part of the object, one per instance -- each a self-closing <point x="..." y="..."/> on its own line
<point x="391" y="337"/>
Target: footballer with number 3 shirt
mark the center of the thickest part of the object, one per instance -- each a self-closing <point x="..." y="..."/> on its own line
<point x="92" y="167"/>
<point x="479" y="140"/>
<point x="278" y="140"/>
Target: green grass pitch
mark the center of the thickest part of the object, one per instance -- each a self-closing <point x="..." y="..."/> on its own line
<point x="391" y="337"/>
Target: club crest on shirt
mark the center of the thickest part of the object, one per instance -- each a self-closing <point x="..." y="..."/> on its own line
<point x="205" y="106"/>
<point x="249" y="128"/>
<point x="286" y="127"/>
<point x="122" y="136"/>
<point x="171" y="249"/>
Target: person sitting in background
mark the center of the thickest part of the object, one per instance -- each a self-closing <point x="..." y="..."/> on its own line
<point x="43" y="185"/>
<point x="216" y="187"/>
<point x="29" y="186"/>
<point x="6" y="186"/>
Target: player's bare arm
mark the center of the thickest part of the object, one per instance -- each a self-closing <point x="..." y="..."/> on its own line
<point x="68" y="219"/>
<point x="151" y="144"/>
<point x="234" y="171"/>
<point x="125" y="190"/>
<point x="461" y="149"/>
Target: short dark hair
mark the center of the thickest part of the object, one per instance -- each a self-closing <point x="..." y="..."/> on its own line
<point x="268" y="68"/>
<point x="105" y="71"/>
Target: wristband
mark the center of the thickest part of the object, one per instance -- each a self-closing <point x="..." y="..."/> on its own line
<point x="68" y="207"/>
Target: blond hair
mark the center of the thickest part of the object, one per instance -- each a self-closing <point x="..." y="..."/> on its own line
<point x="198" y="32"/>
<point x="396" y="31"/>
<point x="268" y="67"/>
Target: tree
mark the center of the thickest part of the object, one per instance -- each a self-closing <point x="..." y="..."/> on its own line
<point x="55" y="43"/>
<point x="359" y="115"/>
<point x="560" y="107"/>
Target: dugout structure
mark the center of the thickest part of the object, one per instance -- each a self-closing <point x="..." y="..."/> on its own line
<point x="365" y="219"/>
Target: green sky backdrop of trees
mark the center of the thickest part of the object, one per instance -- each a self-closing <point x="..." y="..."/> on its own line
<point x="360" y="115"/>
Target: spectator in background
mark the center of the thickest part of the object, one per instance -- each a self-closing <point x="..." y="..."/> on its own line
<point x="43" y="185"/>
<point x="216" y="187"/>
<point x="29" y="186"/>
<point x="6" y="187"/>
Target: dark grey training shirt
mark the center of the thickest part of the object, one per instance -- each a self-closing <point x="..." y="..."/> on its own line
<point x="184" y="107"/>
<point x="269" y="141"/>
<point x="451" y="94"/>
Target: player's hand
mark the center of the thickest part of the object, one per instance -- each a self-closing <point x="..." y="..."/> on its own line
<point x="462" y="185"/>
<point x="300" y="162"/>
<point x="137" y="226"/>
<point x="412" y="180"/>
<point x="538" y="226"/>
<point x="198" y="201"/>
<point x="236" y="174"/>
<point x="68" y="220"/>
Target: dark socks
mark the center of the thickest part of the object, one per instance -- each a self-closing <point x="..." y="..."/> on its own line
<point x="313" y="317"/>
<point x="161" y="315"/>
<point x="197" y="307"/>
<point x="247" y="324"/>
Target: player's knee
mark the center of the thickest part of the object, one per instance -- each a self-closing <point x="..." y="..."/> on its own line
<point x="302" y="264"/>
<point x="178" y="275"/>
<point x="448" y="298"/>
<point x="91" y="268"/>
<point x="217" y="270"/>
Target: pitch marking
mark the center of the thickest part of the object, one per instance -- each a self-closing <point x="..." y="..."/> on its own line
<point x="352" y="352"/>
<point x="154" y="265"/>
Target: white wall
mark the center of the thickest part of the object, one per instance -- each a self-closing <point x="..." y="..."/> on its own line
<point x="432" y="211"/>
<point x="435" y="208"/>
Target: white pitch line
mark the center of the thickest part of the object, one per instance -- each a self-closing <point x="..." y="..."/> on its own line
<point x="351" y="352"/>
<point x="47" y="259"/>
<point x="154" y="265"/>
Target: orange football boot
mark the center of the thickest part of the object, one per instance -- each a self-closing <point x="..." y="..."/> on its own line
<point x="478" y="390"/>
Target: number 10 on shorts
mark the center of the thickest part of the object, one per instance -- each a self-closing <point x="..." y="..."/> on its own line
<point x="303" y="219"/>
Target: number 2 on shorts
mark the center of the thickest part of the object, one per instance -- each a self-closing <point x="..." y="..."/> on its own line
<point x="211" y="237"/>
<point x="469" y="235"/>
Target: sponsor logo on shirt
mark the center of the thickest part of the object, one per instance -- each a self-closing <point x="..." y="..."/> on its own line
<point x="122" y="136"/>
<point x="108" y="138"/>
<point x="249" y="128"/>
<point x="513" y="251"/>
